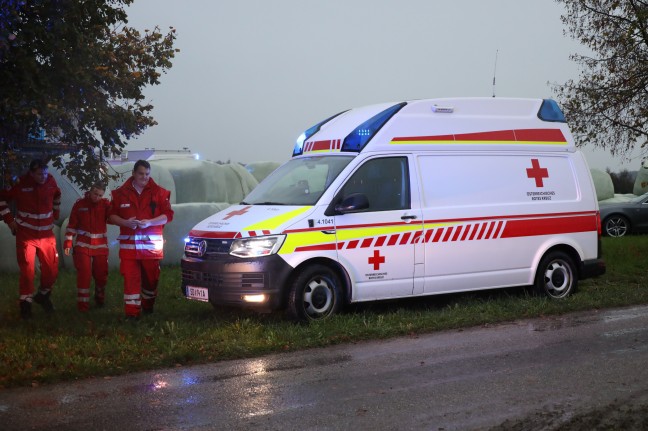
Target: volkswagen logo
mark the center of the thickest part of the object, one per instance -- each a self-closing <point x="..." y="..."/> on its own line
<point x="202" y="247"/>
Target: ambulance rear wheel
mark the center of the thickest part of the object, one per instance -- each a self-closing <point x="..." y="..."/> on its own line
<point x="315" y="294"/>
<point x="556" y="276"/>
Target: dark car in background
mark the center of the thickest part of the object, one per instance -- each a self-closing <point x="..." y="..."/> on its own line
<point x="622" y="218"/>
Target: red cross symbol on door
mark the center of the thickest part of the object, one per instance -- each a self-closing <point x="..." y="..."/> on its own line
<point x="376" y="260"/>
<point x="537" y="172"/>
<point x="236" y="213"/>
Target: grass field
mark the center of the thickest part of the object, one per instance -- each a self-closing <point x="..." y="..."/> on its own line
<point x="69" y="345"/>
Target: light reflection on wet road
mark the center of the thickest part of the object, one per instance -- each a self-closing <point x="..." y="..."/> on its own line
<point x="468" y="379"/>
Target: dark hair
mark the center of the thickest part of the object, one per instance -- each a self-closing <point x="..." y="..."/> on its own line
<point x="37" y="164"/>
<point x="98" y="185"/>
<point x="139" y="163"/>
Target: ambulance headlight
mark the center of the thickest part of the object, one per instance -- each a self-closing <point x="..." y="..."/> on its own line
<point x="257" y="246"/>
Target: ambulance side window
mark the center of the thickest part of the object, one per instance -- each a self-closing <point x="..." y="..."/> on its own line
<point x="384" y="181"/>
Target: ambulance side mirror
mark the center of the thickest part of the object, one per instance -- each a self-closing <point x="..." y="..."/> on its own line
<point x="353" y="203"/>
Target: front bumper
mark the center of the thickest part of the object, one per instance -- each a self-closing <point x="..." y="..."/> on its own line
<point x="228" y="279"/>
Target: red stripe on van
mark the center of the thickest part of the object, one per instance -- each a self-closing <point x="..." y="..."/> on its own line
<point x="540" y="135"/>
<point x="500" y="135"/>
<point x="405" y="237"/>
<point x="366" y="242"/>
<point x="458" y="231"/>
<point x="549" y="226"/>
<point x="524" y="135"/>
<point x="353" y="243"/>
<point x="449" y="231"/>
<point x="393" y="239"/>
<point x="380" y="241"/>
<point x="318" y="247"/>
<point x="425" y="138"/>
<point x="320" y="145"/>
<point x="467" y="229"/>
<point x="437" y="235"/>
<point x="212" y="234"/>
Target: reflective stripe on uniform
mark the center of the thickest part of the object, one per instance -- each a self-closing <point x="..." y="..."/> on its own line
<point x="94" y="247"/>
<point x="35" y="216"/>
<point x="31" y="226"/>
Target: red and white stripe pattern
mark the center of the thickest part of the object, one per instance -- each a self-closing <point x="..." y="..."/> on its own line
<point x="327" y="145"/>
<point x="258" y="232"/>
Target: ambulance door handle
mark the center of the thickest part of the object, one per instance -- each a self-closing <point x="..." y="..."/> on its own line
<point x="408" y="217"/>
<point x="329" y="232"/>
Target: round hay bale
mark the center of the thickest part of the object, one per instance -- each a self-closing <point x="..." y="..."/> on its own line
<point x="603" y="184"/>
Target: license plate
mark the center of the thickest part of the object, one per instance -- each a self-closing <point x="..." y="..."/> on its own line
<point x="198" y="293"/>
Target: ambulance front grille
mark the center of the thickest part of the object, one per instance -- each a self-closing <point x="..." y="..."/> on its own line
<point x="211" y="249"/>
<point x="252" y="280"/>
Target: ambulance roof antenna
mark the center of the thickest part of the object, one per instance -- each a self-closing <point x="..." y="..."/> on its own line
<point x="495" y="72"/>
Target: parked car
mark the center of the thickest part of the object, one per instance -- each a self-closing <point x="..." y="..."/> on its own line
<point x="622" y="218"/>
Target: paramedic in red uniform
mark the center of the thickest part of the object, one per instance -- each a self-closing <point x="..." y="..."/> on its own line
<point x="140" y="208"/>
<point x="88" y="223"/>
<point x="38" y="199"/>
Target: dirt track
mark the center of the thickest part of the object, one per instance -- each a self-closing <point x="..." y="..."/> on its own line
<point x="576" y="372"/>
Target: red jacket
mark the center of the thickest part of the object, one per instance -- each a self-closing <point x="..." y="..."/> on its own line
<point x="126" y="203"/>
<point x="37" y="206"/>
<point x="88" y="223"/>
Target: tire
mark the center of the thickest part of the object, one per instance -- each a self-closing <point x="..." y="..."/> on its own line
<point x="556" y="277"/>
<point x="314" y="295"/>
<point x="616" y="226"/>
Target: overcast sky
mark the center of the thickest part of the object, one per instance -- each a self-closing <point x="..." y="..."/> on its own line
<point x="251" y="75"/>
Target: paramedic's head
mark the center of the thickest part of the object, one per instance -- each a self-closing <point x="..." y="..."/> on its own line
<point x="38" y="171"/>
<point x="96" y="192"/>
<point x="141" y="173"/>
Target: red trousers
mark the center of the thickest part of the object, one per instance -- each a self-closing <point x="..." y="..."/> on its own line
<point x="26" y="251"/>
<point x="89" y="267"/>
<point x="141" y="278"/>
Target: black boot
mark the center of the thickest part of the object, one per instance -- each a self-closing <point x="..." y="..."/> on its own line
<point x="44" y="300"/>
<point x="25" y="310"/>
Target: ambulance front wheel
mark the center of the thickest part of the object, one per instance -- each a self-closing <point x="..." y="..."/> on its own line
<point x="314" y="294"/>
<point x="556" y="276"/>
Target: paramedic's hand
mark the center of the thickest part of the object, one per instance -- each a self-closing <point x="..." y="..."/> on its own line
<point x="132" y="223"/>
<point x="66" y="251"/>
<point x="13" y="227"/>
<point x="143" y="224"/>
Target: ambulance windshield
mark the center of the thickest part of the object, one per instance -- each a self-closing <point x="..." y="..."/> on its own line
<point x="299" y="181"/>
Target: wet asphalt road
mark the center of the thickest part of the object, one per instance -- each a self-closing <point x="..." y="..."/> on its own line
<point x="476" y="378"/>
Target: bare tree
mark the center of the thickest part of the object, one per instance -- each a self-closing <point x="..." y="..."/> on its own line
<point x="608" y="104"/>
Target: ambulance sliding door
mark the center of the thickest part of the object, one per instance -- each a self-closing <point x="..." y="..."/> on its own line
<point x="377" y="245"/>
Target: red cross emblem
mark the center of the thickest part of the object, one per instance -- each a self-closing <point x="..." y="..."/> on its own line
<point x="376" y="260"/>
<point x="237" y="213"/>
<point x="537" y="172"/>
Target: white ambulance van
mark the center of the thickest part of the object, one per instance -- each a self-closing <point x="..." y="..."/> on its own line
<point x="407" y="199"/>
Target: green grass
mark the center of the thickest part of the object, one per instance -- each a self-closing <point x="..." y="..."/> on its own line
<point x="70" y="345"/>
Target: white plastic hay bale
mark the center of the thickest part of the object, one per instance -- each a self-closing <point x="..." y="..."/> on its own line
<point x="190" y="178"/>
<point x="260" y="170"/>
<point x="641" y="182"/>
<point x="245" y="179"/>
<point x="8" y="262"/>
<point x="603" y="184"/>
<point x="205" y="181"/>
<point x="185" y="217"/>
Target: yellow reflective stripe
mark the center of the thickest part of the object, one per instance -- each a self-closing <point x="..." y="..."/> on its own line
<point x="360" y="233"/>
<point x="304" y="239"/>
<point x="274" y="222"/>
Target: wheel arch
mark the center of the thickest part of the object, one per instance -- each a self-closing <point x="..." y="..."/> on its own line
<point x="569" y="250"/>
<point x="335" y="266"/>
